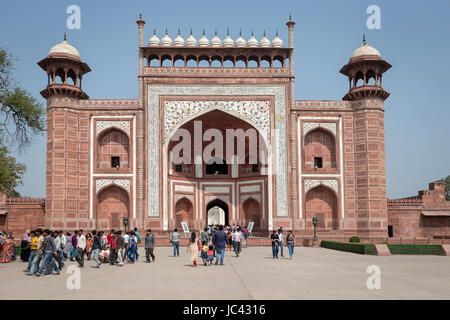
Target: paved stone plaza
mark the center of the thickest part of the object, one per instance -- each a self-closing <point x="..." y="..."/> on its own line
<point x="314" y="273"/>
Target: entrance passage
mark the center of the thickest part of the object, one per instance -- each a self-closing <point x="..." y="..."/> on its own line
<point x="217" y="213"/>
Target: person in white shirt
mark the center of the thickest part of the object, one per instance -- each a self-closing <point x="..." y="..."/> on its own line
<point x="237" y="239"/>
<point x="63" y="245"/>
<point x="280" y="241"/>
<point x="126" y="238"/>
<point x="81" y="245"/>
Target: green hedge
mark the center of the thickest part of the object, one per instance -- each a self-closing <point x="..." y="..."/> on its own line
<point x="361" y="248"/>
<point x="415" y="248"/>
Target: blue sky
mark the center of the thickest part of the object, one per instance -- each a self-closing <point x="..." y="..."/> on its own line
<point x="413" y="38"/>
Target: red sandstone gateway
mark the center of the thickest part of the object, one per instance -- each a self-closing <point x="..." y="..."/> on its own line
<point x="110" y="159"/>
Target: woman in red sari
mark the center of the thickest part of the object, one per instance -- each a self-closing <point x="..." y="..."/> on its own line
<point x="8" y="248"/>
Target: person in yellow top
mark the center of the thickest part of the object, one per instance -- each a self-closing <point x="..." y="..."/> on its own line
<point x="33" y="249"/>
<point x="38" y="253"/>
<point x="204" y="253"/>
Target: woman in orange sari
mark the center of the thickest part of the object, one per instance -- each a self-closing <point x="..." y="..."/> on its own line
<point x="8" y="248"/>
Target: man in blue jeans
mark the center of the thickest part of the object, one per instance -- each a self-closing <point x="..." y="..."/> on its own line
<point x="274" y="238"/>
<point x="220" y="242"/>
<point x="175" y="240"/>
<point x="49" y="251"/>
<point x="280" y="241"/>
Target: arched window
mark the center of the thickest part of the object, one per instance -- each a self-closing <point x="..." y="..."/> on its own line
<point x="265" y="62"/>
<point x="216" y="62"/>
<point x="359" y="79"/>
<point x="370" y="76"/>
<point x="253" y="62"/>
<point x="203" y="62"/>
<point x="277" y="62"/>
<point x="71" y="77"/>
<point x="191" y="61"/>
<point x="61" y="75"/>
<point x="113" y="150"/>
<point x="166" y="61"/>
<point x="153" y="61"/>
<point x="178" y="61"/>
<point x="228" y="62"/>
<point x="320" y="150"/>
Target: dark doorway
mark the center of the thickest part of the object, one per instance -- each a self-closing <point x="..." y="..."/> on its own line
<point x="390" y="231"/>
<point x="220" y="204"/>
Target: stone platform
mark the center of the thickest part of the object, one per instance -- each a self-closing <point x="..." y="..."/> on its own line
<point x="313" y="273"/>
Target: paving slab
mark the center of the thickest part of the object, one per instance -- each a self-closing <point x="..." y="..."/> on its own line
<point x="313" y="273"/>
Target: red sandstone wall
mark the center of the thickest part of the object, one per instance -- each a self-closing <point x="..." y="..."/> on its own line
<point x="370" y="169"/>
<point x="67" y="169"/>
<point x="24" y="215"/>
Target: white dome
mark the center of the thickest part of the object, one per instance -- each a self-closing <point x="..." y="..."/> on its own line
<point x="203" y="42"/>
<point x="364" y="50"/>
<point x="179" y="41"/>
<point x="264" y="42"/>
<point x="228" y="42"/>
<point x="154" y="40"/>
<point x="252" y="42"/>
<point x="240" y="42"/>
<point x="64" y="47"/>
<point x="191" y="41"/>
<point x="277" y="42"/>
<point x="215" y="41"/>
<point x="166" y="41"/>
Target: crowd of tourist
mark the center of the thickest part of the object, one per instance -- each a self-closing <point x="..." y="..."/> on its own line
<point x="47" y="251"/>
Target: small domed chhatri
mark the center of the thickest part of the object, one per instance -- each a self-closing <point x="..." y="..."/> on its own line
<point x="179" y="41"/>
<point x="65" y="47"/>
<point x="191" y="41"/>
<point x="166" y="41"/>
<point x="154" y="40"/>
<point x="240" y="42"/>
<point x="215" y="41"/>
<point x="264" y="43"/>
<point x="203" y="42"/>
<point x="277" y="42"/>
<point x="228" y="42"/>
<point x="365" y="50"/>
<point x="252" y="42"/>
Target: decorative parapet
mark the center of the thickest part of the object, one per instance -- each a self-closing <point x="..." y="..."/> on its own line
<point x="21" y="201"/>
<point x="322" y="105"/>
<point x="68" y="102"/>
<point x="201" y="72"/>
<point x="405" y="201"/>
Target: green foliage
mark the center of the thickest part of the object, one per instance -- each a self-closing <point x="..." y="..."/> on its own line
<point x="434" y="249"/>
<point x="11" y="173"/>
<point x="21" y="117"/>
<point x="361" y="248"/>
<point x="447" y="187"/>
<point x="355" y="239"/>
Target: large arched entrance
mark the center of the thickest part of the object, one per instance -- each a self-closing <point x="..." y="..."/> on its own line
<point x="113" y="205"/>
<point x="217" y="213"/>
<point x="218" y="156"/>
<point x="321" y="202"/>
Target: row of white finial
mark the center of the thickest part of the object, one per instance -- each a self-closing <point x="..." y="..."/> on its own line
<point x="166" y="41"/>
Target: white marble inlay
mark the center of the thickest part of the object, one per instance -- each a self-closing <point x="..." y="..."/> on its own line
<point x="308" y="126"/>
<point x="122" y="125"/>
